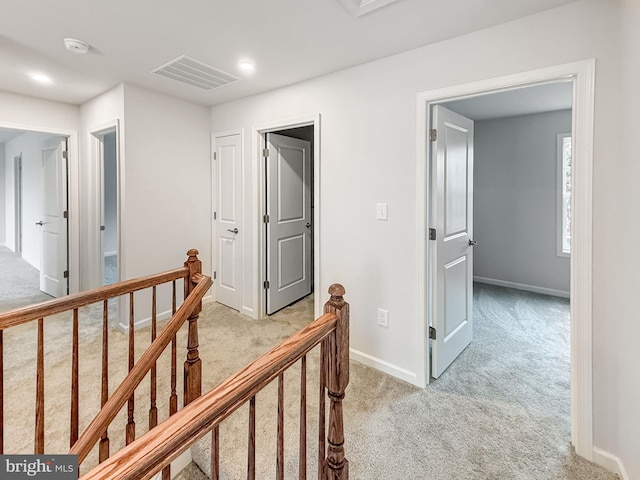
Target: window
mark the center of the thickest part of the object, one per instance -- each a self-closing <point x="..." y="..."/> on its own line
<point x="564" y="194"/>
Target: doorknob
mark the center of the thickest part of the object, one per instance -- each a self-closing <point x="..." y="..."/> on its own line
<point x="39" y="223"/>
<point x="473" y="243"/>
<point x="308" y="225"/>
<point x="235" y="230"/>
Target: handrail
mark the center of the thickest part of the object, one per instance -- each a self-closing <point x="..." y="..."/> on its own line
<point x="69" y="302"/>
<point x="157" y="448"/>
<point x="116" y="401"/>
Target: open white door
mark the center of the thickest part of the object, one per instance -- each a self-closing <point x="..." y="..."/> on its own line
<point x="53" y="266"/>
<point x="452" y="218"/>
<point x="289" y="220"/>
<point x="227" y="213"/>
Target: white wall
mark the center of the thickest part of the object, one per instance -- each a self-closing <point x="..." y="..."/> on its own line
<point x="166" y="198"/>
<point x="368" y="145"/>
<point x="515" y="201"/>
<point x="3" y="188"/>
<point x="106" y="110"/>
<point x="32" y="114"/>
<point x="29" y="145"/>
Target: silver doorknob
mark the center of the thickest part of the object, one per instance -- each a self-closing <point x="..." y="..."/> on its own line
<point x="308" y="225"/>
<point x="235" y="230"/>
<point x="39" y="223"/>
<point x="473" y="243"/>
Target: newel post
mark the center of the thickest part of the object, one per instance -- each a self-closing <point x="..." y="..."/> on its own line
<point x="336" y="466"/>
<point x="193" y="364"/>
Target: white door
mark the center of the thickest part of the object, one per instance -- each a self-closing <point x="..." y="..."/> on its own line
<point x="452" y="218"/>
<point x="53" y="265"/>
<point x="227" y="220"/>
<point x="289" y="220"/>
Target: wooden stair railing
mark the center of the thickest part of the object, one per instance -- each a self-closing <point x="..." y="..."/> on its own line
<point x="156" y="449"/>
<point x="144" y="365"/>
<point x="195" y="286"/>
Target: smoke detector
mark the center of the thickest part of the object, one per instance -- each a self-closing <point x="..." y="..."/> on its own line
<point x="76" y="46"/>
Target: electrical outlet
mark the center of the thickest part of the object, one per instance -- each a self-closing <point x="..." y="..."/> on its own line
<point x="381" y="211"/>
<point x="383" y="317"/>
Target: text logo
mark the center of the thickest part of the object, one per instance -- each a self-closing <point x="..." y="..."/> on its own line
<point x="46" y="467"/>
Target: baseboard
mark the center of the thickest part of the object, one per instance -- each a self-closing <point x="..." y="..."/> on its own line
<point x="384" y="366"/>
<point x="4" y="245"/>
<point x="109" y="254"/>
<point x="124" y="328"/>
<point x="610" y="462"/>
<point x="177" y="465"/>
<point x="522" y="286"/>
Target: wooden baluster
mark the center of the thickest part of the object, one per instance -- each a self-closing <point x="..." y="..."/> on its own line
<point x="173" y="399"/>
<point x="75" y="394"/>
<point x="215" y="453"/>
<point x="280" y="450"/>
<point x="153" y="409"/>
<point x="39" y="434"/>
<point x="251" y="461"/>
<point x="336" y="465"/>
<point x="302" y="465"/>
<point x="322" y="422"/>
<point x="104" y="394"/>
<point x="131" y="424"/>
<point x="1" y="394"/>
<point x="193" y="364"/>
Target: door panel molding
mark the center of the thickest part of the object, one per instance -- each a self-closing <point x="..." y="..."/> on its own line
<point x="582" y="75"/>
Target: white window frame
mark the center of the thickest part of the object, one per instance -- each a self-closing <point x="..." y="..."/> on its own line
<point x="563" y="248"/>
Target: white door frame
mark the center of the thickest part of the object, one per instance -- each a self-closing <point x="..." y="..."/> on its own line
<point x="259" y="247"/>
<point x="95" y="247"/>
<point x="73" y="192"/>
<point x="17" y="198"/>
<point x="582" y="73"/>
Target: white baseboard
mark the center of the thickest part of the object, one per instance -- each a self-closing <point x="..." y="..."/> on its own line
<point x="522" y="286"/>
<point x="109" y="254"/>
<point x="124" y="327"/>
<point x="178" y="464"/>
<point x="4" y="245"/>
<point x="610" y="462"/>
<point x="384" y="366"/>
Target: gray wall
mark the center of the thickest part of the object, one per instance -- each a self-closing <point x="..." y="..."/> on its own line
<point x="3" y="189"/>
<point x="515" y="201"/>
<point x="110" y="195"/>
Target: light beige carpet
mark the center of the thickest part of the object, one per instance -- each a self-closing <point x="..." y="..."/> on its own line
<point x="487" y="417"/>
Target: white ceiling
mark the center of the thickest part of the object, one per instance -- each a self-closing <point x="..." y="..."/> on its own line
<point x="289" y="40"/>
<point x="7" y="135"/>
<point x="522" y="101"/>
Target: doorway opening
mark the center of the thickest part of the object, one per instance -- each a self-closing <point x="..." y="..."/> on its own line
<point x="106" y="159"/>
<point x="288" y="250"/>
<point x="581" y="76"/>
<point x="35" y="230"/>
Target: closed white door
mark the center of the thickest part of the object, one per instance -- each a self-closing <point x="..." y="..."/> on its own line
<point x="53" y="266"/>
<point x="227" y="222"/>
<point x="452" y="218"/>
<point x="289" y="220"/>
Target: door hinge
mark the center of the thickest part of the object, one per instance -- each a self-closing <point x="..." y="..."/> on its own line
<point x="266" y="284"/>
<point x="215" y="274"/>
<point x="265" y="152"/>
<point x="433" y="134"/>
<point x="215" y="215"/>
<point x="102" y="228"/>
<point x="66" y="274"/>
<point x="265" y="219"/>
<point x="432" y="333"/>
<point x="215" y="155"/>
<point x="432" y="234"/>
<point x="65" y="214"/>
<point x="65" y="154"/>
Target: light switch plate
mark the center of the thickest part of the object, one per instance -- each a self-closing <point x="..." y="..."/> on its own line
<point x="381" y="211"/>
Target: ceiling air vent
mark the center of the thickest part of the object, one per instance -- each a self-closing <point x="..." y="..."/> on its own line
<point x="197" y="74"/>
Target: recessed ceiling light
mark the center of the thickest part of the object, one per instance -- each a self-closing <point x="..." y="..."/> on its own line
<point x="247" y="66"/>
<point x="41" y="78"/>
